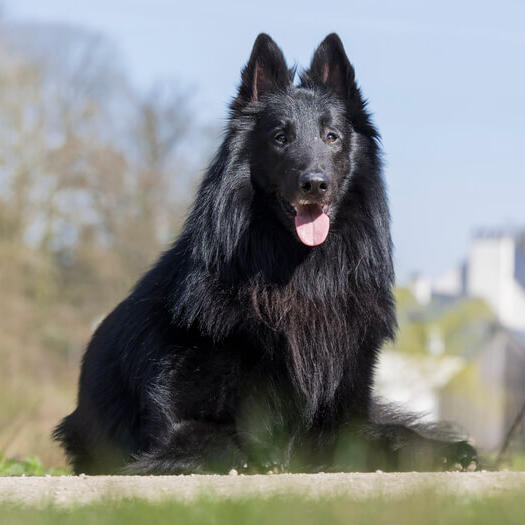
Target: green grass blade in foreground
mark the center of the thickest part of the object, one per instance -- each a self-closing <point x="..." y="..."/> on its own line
<point x="419" y="508"/>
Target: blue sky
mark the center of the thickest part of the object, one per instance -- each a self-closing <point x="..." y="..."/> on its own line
<point x="446" y="83"/>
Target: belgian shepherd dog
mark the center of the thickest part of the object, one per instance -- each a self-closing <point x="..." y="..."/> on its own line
<point x="251" y="343"/>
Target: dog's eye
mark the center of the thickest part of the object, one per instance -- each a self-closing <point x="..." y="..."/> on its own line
<point x="280" y="138"/>
<point x="331" y="137"/>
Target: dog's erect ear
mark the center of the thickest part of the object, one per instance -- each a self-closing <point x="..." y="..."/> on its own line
<point x="330" y="67"/>
<point x="266" y="71"/>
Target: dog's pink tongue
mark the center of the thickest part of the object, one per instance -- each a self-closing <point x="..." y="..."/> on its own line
<point x="312" y="224"/>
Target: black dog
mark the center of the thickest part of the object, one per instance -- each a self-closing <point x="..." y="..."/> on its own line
<point x="252" y="342"/>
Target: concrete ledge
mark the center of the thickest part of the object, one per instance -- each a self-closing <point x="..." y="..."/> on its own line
<point x="79" y="490"/>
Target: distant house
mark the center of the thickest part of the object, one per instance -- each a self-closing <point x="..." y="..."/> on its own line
<point x="487" y="393"/>
<point x="412" y="381"/>
<point x="494" y="271"/>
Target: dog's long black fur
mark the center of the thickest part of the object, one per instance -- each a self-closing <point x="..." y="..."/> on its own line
<point x="243" y="347"/>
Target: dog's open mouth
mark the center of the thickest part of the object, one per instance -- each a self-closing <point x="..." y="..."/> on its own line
<point x="312" y="223"/>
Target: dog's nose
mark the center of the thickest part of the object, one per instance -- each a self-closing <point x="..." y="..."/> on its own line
<point x="313" y="184"/>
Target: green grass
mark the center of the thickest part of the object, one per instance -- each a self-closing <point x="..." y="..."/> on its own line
<point x="426" y="509"/>
<point x="30" y="466"/>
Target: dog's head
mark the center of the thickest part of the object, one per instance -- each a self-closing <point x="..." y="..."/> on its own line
<point x="302" y="140"/>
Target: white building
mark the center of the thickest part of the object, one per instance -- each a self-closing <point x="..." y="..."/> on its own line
<point x="411" y="382"/>
<point x="496" y="273"/>
<point x="486" y="392"/>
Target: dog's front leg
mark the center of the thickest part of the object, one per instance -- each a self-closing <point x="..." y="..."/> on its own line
<point x="393" y="447"/>
<point x="192" y="447"/>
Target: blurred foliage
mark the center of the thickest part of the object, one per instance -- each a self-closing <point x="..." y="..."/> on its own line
<point x="459" y="325"/>
<point x="30" y="466"/>
<point x="516" y="462"/>
<point x="93" y="186"/>
<point x="422" y="507"/>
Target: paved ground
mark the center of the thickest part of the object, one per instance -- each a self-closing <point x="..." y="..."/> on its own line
<point x="69" y="490"/>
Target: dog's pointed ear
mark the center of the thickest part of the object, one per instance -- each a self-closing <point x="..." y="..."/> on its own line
<point x="331" y="68"/>
<point x="265" y="71"/>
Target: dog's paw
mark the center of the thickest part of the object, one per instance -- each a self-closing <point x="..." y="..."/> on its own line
<point x="459" y="456"/>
